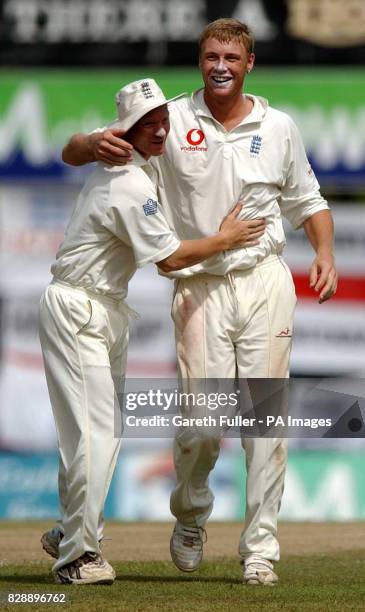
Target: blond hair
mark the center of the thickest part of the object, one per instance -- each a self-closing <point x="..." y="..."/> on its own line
<point x="225" y="30"/>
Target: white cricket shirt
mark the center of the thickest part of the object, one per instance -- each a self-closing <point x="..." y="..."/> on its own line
<point x="116" y="226"/>
<point x="206" y="170"/>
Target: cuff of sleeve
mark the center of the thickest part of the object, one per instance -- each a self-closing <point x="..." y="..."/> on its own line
<point x="297" y="223"/>
<point x="159" y="255"/>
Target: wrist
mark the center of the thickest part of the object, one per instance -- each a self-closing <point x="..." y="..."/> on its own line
<point x="222" y="241"/>
<point x="326" y="252"/>
<point x="92" y="140"/>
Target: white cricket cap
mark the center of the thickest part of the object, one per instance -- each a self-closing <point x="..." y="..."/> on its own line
<point x="136" y="100"/>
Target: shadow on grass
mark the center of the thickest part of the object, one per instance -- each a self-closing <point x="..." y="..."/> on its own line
<point x="178" y="579"/>
<point x="30" y="579"/>
<point x="33" y="579"/>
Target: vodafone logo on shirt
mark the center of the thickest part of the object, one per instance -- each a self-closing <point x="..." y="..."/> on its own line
<point x="194" y="137"/>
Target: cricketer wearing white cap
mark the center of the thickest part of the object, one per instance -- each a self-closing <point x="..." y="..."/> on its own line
<point x="116" y="227"/>
<point x="234" y="312"/>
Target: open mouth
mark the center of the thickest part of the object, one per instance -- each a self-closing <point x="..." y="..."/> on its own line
<point x="221" y="80"/>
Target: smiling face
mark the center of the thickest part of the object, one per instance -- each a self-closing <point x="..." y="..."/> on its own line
<point x="223" y="66"/>
<point x="148" y="135"/>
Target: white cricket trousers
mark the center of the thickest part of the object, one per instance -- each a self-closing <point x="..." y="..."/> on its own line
<point x="227" y="326"/>
<point x="84" y="339"/>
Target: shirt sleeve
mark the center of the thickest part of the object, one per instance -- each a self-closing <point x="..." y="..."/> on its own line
<point x="300" y="194"/>
<point x="135" y="217"/>
<point x="110" y="125"/>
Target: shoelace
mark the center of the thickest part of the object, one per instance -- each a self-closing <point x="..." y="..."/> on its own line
<point x="88" y="557"/>
<point x="193" y="536"/>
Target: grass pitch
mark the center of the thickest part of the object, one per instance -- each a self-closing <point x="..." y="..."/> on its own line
<point x="332" y="579"/>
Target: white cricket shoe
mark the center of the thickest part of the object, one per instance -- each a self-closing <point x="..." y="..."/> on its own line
<point x="259" y="571"/>
<point x="90" y="568"/>
<point x="186" y="547"/>
<point x="51" y="540"/>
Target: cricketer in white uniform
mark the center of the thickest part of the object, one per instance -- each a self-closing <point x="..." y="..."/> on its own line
<point x="233" y="313"/>
<point x="116" y="227"/>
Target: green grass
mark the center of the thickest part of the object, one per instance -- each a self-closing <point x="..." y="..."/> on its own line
<point x="320" y="583"/>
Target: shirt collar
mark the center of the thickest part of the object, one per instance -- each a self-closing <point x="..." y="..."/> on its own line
<point x="138" y="160"/>
<point x="257" y="113"/>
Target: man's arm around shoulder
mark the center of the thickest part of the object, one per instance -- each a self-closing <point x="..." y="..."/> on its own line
<point x="105" y="146"/>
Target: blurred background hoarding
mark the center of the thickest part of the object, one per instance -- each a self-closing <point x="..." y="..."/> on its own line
<point x="39" y="109"/>
<point x="165" y="32"/>
<point x="309" y="59"/>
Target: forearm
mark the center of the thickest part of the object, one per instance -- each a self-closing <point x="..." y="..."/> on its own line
<point x="78" y="151"/>
<point x="320" y="231"/>
<point x="191" y="252"/>
<point x="322" y="274"/>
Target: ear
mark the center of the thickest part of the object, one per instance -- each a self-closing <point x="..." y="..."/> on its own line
<point x="250" y="62"/>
